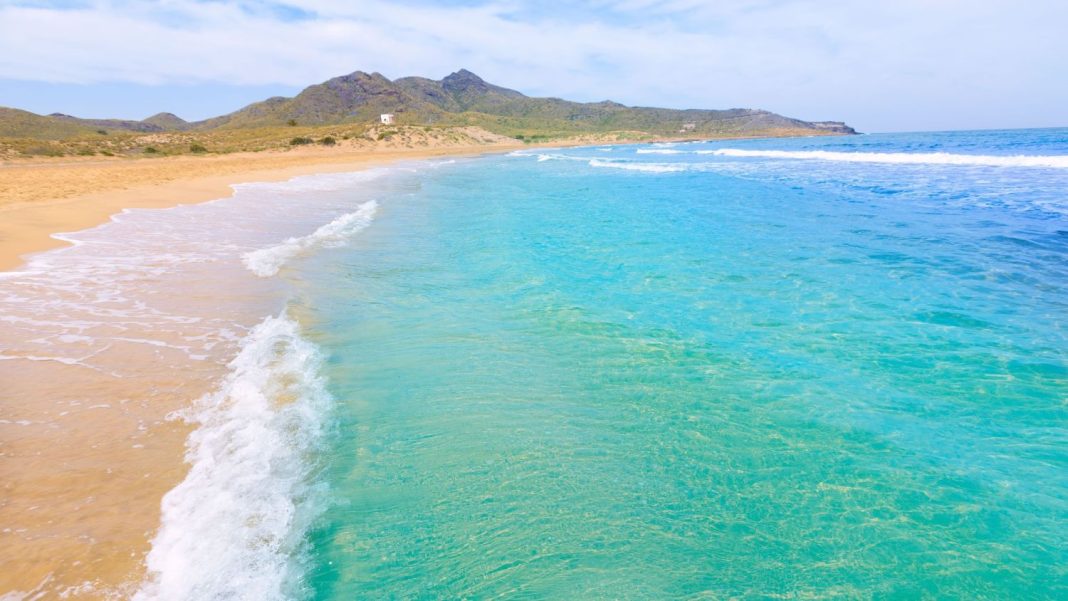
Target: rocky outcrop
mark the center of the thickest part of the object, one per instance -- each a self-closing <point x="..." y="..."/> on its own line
<point x="837" y="127"/>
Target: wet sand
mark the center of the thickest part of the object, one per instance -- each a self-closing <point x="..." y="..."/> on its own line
<point x="86" y="449"/>
<point x="41" y="198"/>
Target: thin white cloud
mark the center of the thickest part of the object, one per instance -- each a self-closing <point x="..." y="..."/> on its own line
<point x="871" y="62"/>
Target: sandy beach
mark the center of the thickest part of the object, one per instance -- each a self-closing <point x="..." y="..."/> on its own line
<point x="44" y="197"/>
<point x="88" y="453"/>
<point x="489" y="300"/>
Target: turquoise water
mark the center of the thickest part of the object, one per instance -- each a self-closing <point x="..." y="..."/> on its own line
<point x="661" y="372"/>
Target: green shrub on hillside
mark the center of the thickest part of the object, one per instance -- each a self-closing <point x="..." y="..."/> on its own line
<point x="328" y="141"/>
<point x="300" y="141"/>
<point x="197" y="148"/>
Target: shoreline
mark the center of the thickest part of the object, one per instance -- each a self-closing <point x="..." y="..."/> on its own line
<point x="137" y="451"/>
<point x="102" y="348"/>
<point x="86" y="521"/>
<point x="42" y="200"/>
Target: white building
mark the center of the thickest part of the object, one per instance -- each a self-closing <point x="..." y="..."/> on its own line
<point x="387" y="118"/>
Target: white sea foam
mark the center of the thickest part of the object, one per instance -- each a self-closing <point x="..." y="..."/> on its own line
<point x="266" y="262"/>
<point x="908" y="158"/>
<point x="234" y="528"/>
<point x="323" y="182"/>
<point x="110" y="306"/>
<point x="647" y="167"/>
<point x="558" y="157"/>
<point x="658" y="151"/>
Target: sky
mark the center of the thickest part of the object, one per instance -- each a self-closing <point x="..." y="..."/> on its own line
<point x="895" y="65"/>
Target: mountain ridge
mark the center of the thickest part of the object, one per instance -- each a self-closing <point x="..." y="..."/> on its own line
<point x="459" y="99"/>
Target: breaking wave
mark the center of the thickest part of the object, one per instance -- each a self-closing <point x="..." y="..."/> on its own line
<point x="647" y="167"/>
<point x="234" y="528"/>
<point x="557" y="157"/>
<point x="266" y="262"/>
<point x="907" y="158"/>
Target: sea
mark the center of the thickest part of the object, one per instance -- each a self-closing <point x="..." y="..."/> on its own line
<point x="807" y="368"/>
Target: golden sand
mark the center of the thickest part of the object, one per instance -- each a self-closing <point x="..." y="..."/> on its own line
<point x="85" y="457"/>
<point x="40" y="198"/>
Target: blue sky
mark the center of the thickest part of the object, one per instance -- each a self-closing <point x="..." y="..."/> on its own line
<point x="902" y="65"/>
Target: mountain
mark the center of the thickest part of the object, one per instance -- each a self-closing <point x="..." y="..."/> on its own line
<point x="15" y="123"/>
<point x="167" y="121"/>
<point x="467" y="92"/>
<point x="355" y="97"/>
<point x="461" y="98"/>
<point x="106" y="124"/>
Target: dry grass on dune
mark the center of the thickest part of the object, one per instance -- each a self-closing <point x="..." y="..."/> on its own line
<point x="104" y="143"/>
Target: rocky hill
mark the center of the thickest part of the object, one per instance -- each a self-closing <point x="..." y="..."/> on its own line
<point x="465" y="98"/>
<point x="167" y="121"/>
<point x="460" y="99"/>
<point x="16" y="123"/>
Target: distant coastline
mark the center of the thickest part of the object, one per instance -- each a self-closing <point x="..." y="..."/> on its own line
<point x="61" y="173"/>
<point x="40" y="197"/>
<point x="361" y="108"/>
